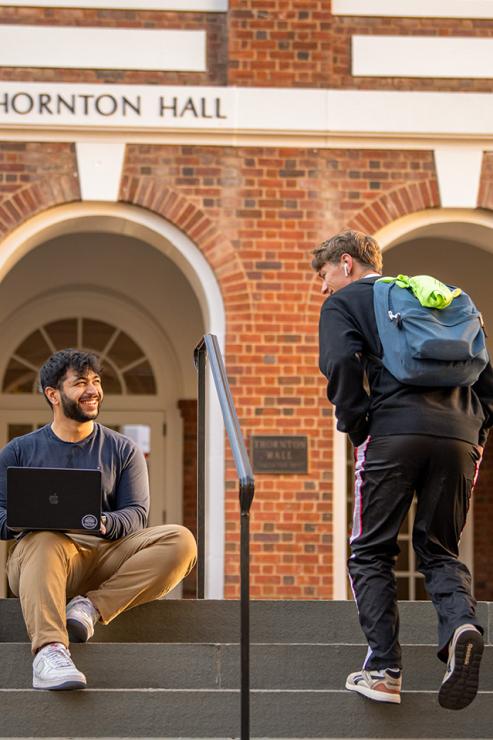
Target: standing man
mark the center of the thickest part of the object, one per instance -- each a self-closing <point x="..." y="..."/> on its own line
<point x="408" y="440"/>
<point x="102" y="576"/>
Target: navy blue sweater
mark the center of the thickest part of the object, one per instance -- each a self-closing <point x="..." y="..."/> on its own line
<point x="125" y="481"/>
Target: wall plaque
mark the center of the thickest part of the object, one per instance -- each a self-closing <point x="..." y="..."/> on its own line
<point x="279" y="454"/>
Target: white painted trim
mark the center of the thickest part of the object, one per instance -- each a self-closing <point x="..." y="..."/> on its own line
<point x="422" y="56"/>
<point x="231" y="115"/>
<point x="478" y="225"/>
<point x="182" y="6"/>
<point x="81" y="47"/>
<point x="100" y="166"/>
<point x="151" y="228"/>
<point x="339" y="513"/>
<point x="274" y="139"/>
<point x="415" y="8"/>
<point x="458" y="172"/>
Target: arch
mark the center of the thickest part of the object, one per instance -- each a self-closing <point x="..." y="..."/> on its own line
<point x="390" y="206"/>
<point x="473" y="225"/>
<point x="36" y="197"/>
<point x="131" y="220"/>
<point x="148" y="192"/>
<point x="118" y="218"/>
<point x="94" y="304"/>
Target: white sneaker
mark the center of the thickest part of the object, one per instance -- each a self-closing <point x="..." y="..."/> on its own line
<point x="54" y="669"/>
<point x="460" y="683"/>
<point x="379" y="685"/>
<point x="81" y="618"/>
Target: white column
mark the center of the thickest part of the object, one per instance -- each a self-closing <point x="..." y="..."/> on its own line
<point x="339" y="513"/>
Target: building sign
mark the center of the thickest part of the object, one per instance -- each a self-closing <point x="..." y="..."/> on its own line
<point x="248" y="111"/>
<point x="279" y="454"/>
<point x="114" y="105"/>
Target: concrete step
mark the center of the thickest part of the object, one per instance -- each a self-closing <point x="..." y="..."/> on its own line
<point x="274" y="714"/>
<point x="197" y="666"/>
<point x="171" y="669"/>
<point x="329" y="622"/>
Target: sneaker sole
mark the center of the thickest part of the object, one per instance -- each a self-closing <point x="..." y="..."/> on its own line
<point x="65" y="686"/>
<point x="375" y="695"/>
<point x="77" y="632"/>
<point x="461" y="687"/>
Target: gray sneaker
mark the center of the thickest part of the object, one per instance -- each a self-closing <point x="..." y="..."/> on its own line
<point x="382" y="685"/>
<point x="54" y="669"/>
<point x="81" y="618"/>
<point x="460" y="683"/>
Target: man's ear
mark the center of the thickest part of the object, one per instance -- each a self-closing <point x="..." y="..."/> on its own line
<point x="52" y="395"/>
<point x="348" y="260"/>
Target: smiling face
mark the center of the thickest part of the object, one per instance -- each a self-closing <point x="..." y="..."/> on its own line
<point x="80" y="395"/>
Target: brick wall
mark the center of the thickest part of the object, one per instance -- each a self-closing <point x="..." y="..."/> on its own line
<point x="34" y="177"/>
<point x="256" y="214"/>
<point x="258" y="43"/>
<point x="485" y="195"/>
<point x="298" y="43"/>
<point x="215" y="24"/>
<point x="279" y="43"/>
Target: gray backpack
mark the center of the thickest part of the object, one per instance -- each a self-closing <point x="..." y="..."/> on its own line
<point x="429" y="346"/>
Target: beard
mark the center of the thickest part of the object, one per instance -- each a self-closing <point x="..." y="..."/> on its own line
<point x="73" y="410"/>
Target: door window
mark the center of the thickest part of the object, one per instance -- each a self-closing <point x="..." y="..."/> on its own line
<point x="126" y="369"/>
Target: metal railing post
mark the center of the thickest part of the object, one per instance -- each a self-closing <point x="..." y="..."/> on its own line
<point x="200" y="360"/>
<point x="245" y="620"/>
<point x="210" y="345"/>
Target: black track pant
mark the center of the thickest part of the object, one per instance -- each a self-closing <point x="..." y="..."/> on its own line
<point x="389" y="470"/>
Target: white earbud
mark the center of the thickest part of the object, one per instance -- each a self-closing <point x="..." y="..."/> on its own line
<point x="346" y="269"/>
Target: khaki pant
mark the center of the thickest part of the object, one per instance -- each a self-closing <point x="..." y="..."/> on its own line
<point x="47" y="568"/>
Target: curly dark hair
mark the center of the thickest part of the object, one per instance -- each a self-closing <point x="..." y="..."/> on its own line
<point x="54" y="370"/>
<point x="361" y="246"/>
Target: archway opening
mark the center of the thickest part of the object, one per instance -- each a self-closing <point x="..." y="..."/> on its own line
<point x="457" y="257"/>
<point x="117" y="276"/>
<point x="456" y="246"/>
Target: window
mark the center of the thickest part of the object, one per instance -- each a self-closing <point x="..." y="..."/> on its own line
<point x="126" y="369"/>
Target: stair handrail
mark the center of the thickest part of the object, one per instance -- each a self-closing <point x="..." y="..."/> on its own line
<point x="208" y="348"/>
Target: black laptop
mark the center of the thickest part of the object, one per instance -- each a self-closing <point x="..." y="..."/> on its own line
<point x="61" y="499"/>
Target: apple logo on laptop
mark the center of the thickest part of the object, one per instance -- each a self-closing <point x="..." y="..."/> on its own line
<point x="53" y="498"/>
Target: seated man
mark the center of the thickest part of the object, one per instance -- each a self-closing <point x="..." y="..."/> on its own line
<point x="104" y="575"/>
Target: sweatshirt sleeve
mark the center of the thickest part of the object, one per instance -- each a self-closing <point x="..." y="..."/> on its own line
<point x="341" y="345"/>
<point x="483" y="388"/>
<point x="131" y="504"/>
<point x="8" y="457"/>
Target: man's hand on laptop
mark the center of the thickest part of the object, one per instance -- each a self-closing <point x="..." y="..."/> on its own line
<point x="102" y="528"/>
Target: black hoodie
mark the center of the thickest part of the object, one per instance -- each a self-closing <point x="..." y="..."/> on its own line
<point x="369" y="400"/>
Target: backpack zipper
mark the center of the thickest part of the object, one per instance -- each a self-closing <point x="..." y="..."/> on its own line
<point x="395" y="317"/>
